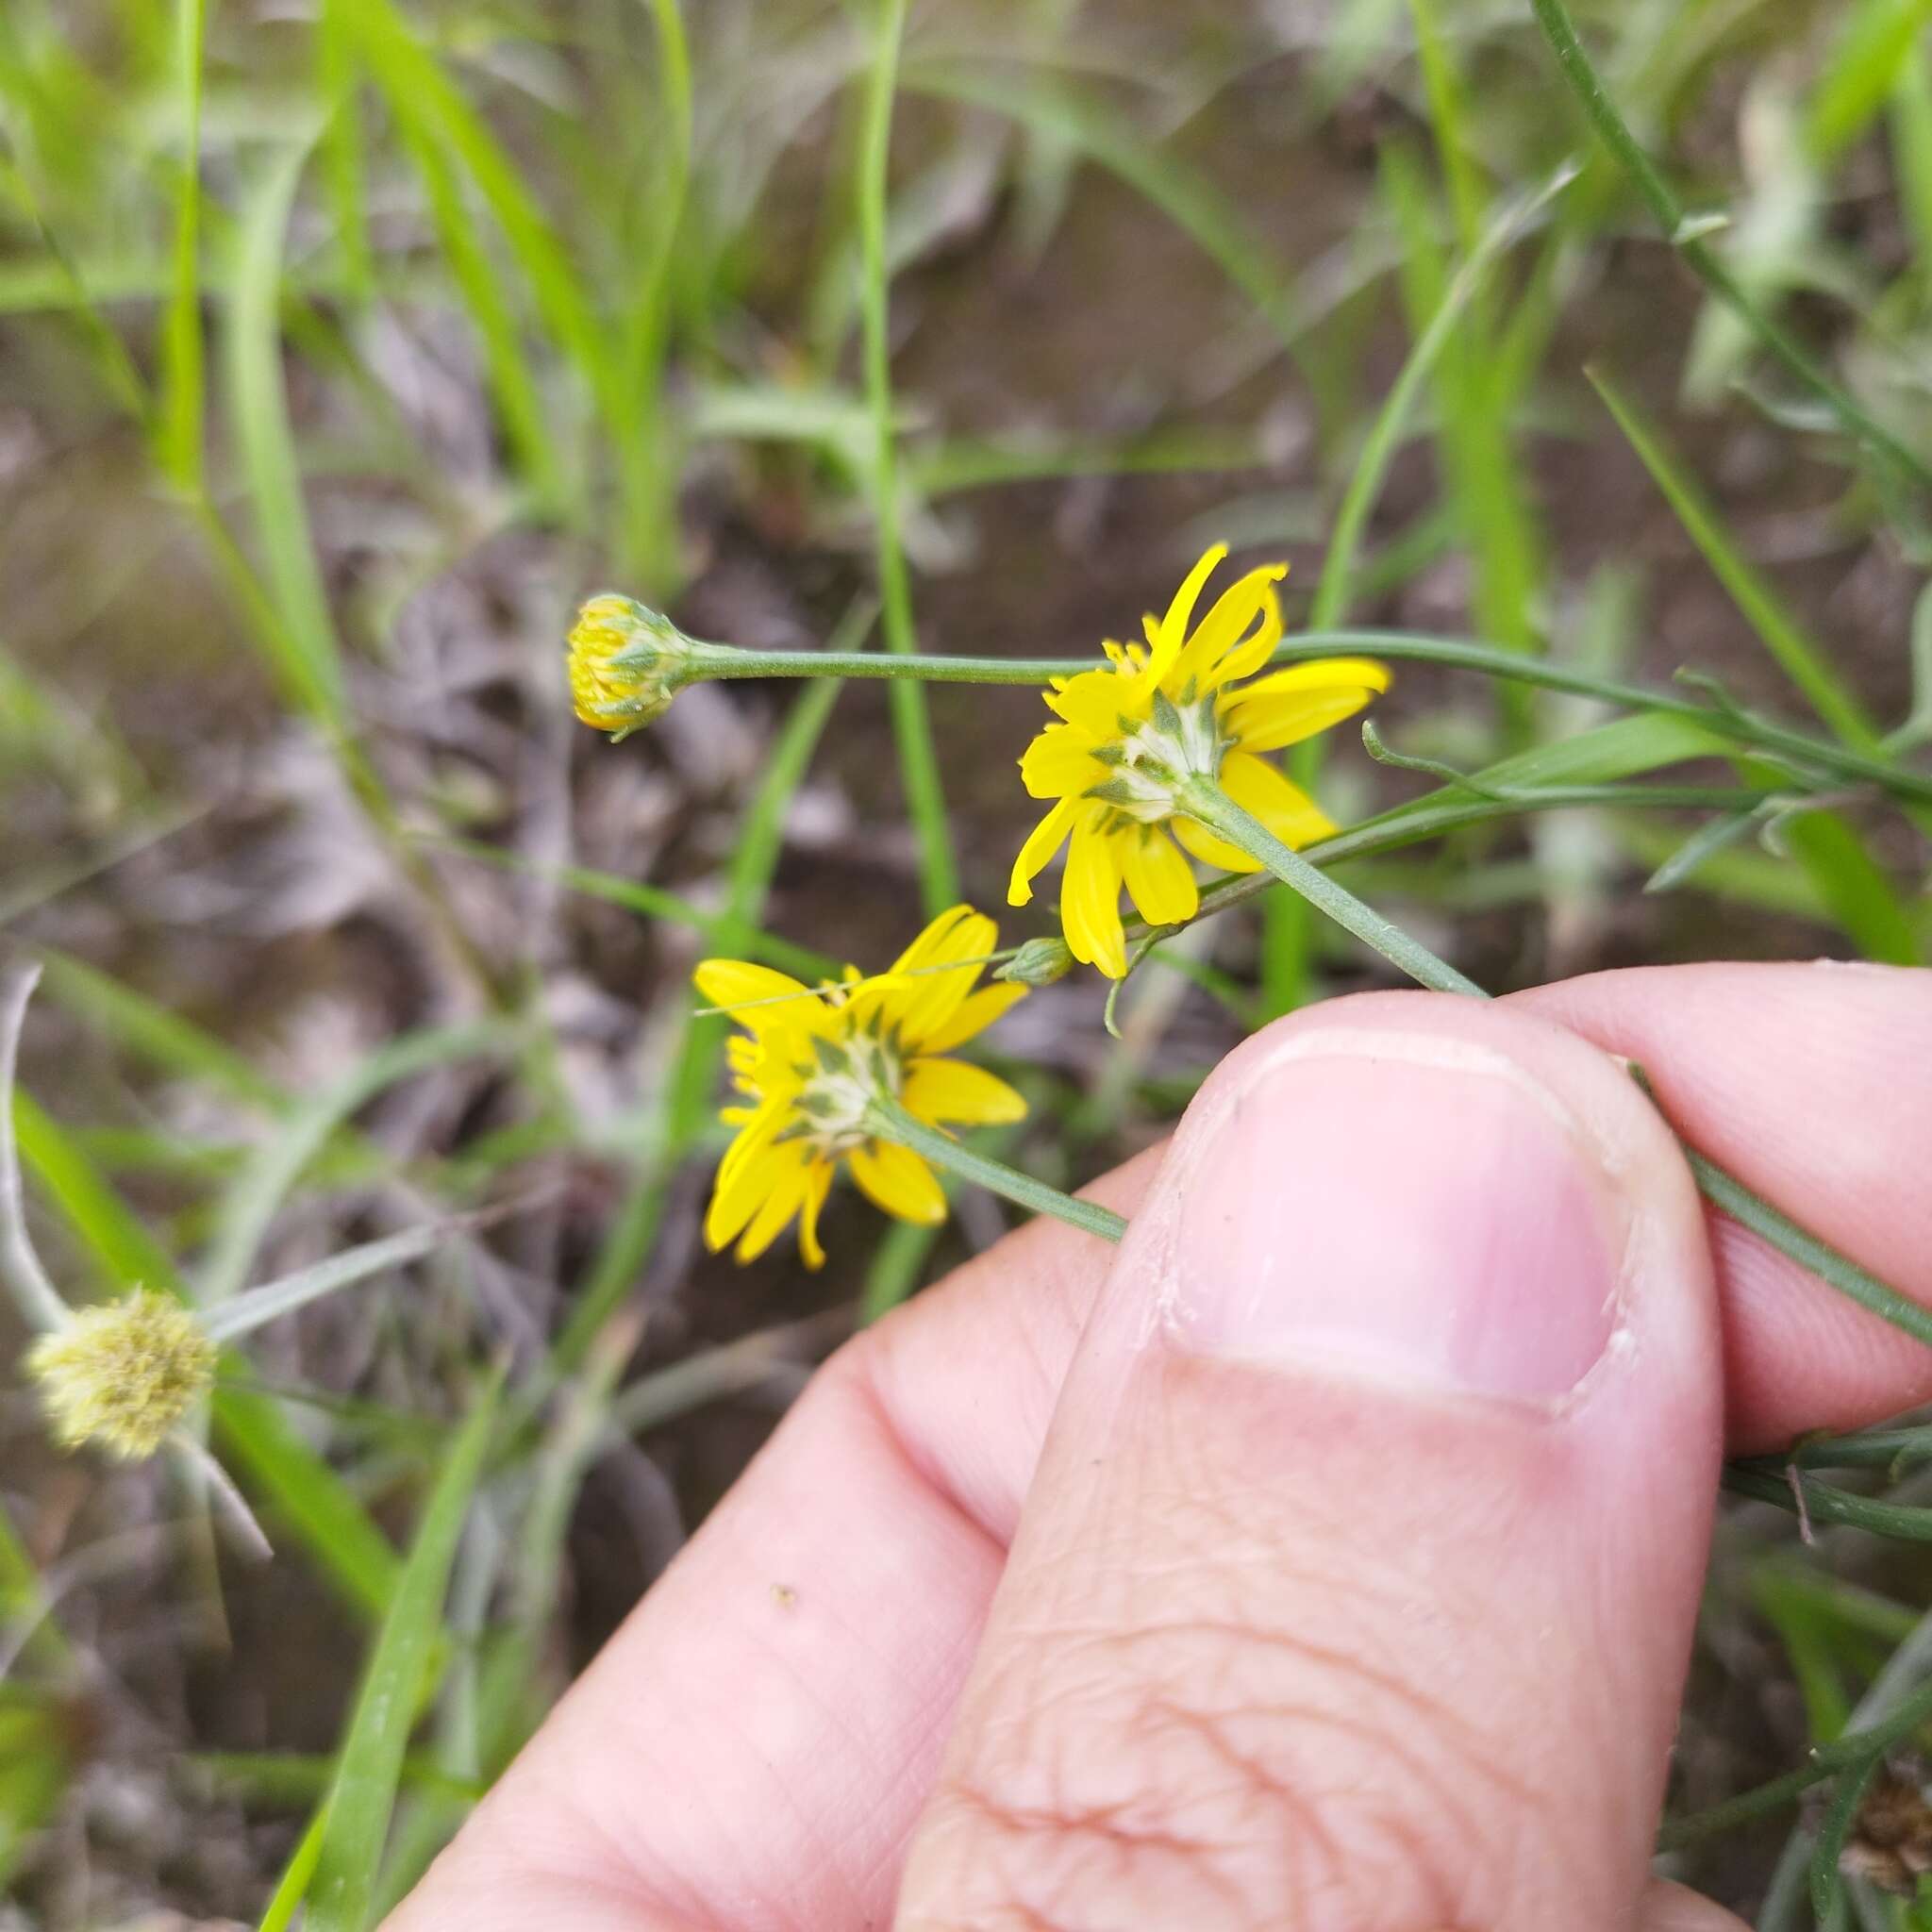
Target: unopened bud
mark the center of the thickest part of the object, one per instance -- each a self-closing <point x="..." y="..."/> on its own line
<point x="626" y="663"/>
<point x="1038" y="962"/>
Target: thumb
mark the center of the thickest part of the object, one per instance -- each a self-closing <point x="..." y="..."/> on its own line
<point x="1355" y="1588"/>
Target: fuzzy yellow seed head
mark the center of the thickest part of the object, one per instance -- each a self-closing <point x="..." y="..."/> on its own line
<point x="626" y="663"/>
<point x="122" y="1374"/>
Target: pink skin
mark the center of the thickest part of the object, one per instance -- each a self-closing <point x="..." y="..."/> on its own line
<point x="1324" y="1557"/>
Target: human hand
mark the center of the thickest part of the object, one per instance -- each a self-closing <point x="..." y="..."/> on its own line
<point x="1325" y="1557"/>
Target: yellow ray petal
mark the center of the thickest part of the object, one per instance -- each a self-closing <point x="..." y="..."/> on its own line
<point x="737" y="1195"/>
<point x="1225" y="625"/>
<point x="787" y="1171"/>
<point x="929" y="943"/>
<point x="1210" y="849"/>
<point x="1285" y="809"/>
<point x="1090" y="900"/>
<point x="1092" y="702"/>
<point x="973" y="1015"/>
<point x="1158" y="878"/>
<point x="1254" y="650"/>
<point x="818" y="1184"/>
<point x="736" y="983"/>
<point x="927" y="998"/>
<point x="1042" y="844"/>
<point x="1289" y="705"/>
<point x="895" y="1178"/>
<point x="943" y="1090"/>
<point x="1059" y="763"/>
<point x="1173" y="626"/>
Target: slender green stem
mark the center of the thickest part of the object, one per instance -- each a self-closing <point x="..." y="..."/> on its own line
<point x="1490" y="660"/>
<point x="1686" y="239"/>
<point x="892" y="1122"/>
<point x="1854" y="1749"/>
<point x="1802" y="1495"/>
<point x="1784" y="1234"/>
<point x="912" y="726"/>
<point x="1205" y="802"/>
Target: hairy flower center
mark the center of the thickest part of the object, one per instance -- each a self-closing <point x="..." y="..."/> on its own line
<point x="1147" y="763"/>
<point x="842" y="1079"/>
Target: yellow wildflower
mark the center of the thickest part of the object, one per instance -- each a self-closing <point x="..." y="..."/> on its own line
<point x="1130" y="732"/>
<point x="626" y="663"/>
<point x="122" y="1374"/>
<point x="813" y="1061"/>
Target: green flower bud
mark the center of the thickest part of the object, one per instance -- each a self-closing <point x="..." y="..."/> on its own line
<point x="1038" y="962"/>
<point x="626" y="663"/>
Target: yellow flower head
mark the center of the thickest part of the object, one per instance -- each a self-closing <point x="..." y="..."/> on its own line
<point x="626" y="663"/>
<point x="1129" y="732"/>
<point x="122" y="1374"/>
<point x="811" y="1061"/>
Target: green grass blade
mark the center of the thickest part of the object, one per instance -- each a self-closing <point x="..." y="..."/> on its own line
<point x="155" y="1033"/>
<point x="647" y="470"/>
<point x="1686" y="239"/>
<point x="297" y="1875"/>
<point x="259" y="1193"/>
<point x="305" y="1495"/>
<point x="1797" y="654"/>
<point x="1187" y="200"/>
<point x="344" y="168"/>
<point x="656" y="903"/>
<point x="1875" y="42"/>
<point x="1911" y="149"/>
<point x="511" y="376"/>
<point x="178" y="448"/>
<point x="1385" y="434"/>
<point x="311" y="670"/>
<point x="919" y="769"/>
<point x="1851" y="886"/>
<point x="371" y="1764"/>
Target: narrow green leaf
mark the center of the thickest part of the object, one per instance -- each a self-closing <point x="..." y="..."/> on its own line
<point x="304" y="1495"/>
<point x="155" y="1033"/>
<point x="1802" y="661"/>
<point x="919" y="768"/>
<point x="179" y="431"/>
<point x="370" y="1768"/>
<point x="310" y="668"/>
<point x="1874" y="44"/>
<point x="297" y="1874"/>
<point x="306" y="1129"/>
<point x="1851" y="886"/>
<point x="1827" y="1886"/>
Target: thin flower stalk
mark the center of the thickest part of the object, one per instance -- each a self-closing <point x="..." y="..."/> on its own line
<point x="698" y="660"/>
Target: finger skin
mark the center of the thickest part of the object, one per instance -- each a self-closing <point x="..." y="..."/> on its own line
<point x="638" y="1807"/>
<point x="1808" y="1082"/>
<point x="1288" y="1639"/>
<point x="1671" y="1908"/>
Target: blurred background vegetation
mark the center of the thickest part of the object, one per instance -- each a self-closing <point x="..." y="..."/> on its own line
<point x="346" y="344"/>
